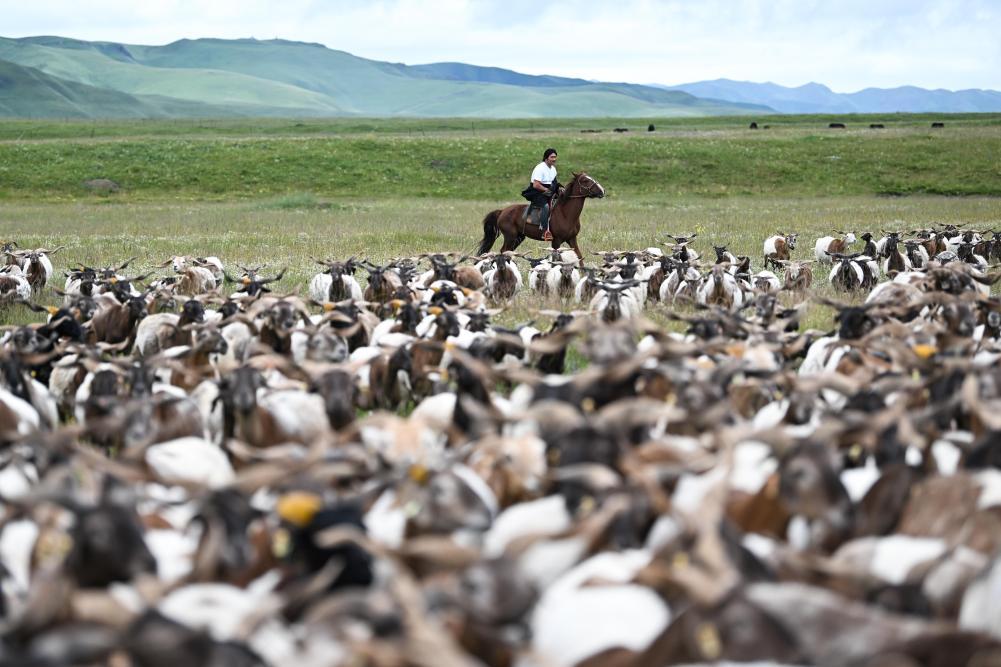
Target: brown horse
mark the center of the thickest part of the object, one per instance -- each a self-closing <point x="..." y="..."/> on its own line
<point x="564" y="218"/>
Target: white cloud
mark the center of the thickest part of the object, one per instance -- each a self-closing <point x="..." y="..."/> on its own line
<point x="847" y="45"/>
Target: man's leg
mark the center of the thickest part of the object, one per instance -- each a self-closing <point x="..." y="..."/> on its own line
<point x="544" y="224"/>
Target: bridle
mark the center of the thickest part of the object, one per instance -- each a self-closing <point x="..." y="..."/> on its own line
<point x="584" y="192"/>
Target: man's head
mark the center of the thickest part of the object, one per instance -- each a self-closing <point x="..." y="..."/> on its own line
<point x="549" y="157"/>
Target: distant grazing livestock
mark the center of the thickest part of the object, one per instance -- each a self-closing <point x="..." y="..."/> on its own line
<point x="936" y="125"/>
<point x="778" y="247"/>
<point x="853" y="272"/>
<point x="650" y="128"/>
<point x="836" y="126"/>
<point x="621" y="129"/>
<point x="826" y="244"/>
<point x="876" y="126"/>
<point x="753" y="125"/>
<point x="798" y="276"/>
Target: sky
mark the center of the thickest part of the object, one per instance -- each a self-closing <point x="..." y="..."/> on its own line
<point x="845" y="44"/>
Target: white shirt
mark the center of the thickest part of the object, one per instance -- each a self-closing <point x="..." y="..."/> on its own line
<point x="544" y="174"/>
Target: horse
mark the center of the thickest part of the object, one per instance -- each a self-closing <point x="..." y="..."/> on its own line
<point x="564" y="219"/>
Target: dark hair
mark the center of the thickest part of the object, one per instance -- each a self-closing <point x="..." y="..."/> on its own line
<point x="549" y="151"/>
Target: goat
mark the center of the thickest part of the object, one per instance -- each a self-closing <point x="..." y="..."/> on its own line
<point x="160" y="331"/>
<point x="719" y="288"/>
<point x="276" y="319"/>
<point x="725" y="256"/>
<point x="895" y="261"/>
<point x="37" y="267"/>
<point x="916" y="253"/>
<point x="853" y="272"/>
<point x="214" y="265"/>
<point x="252" y="285"/>
<point x="826" y="244"/>
<point x="964" y="251"/>
<point x="990" y="249"/>
<point x="681" y="283"/>
<point x="537" y="272"/>
<point x="193" y="278"/>
<point x="116" y="322"/>
<point x="13" y="285"/>
<point x="503" y="280"/>
<point x="469" y="277"/>
<point x="869" y="249"/>
<point x="263" y="417"/>
<point x="562" y="279"/>
<point x="335" y="284"/>
<point x="778" y="247"/>
<point x="680" y="250"/>
<point x="615" y="301"/>
<point x="383" y="283"/>
<point x="85" y="279"/>
<point x="798" y="275"/>
<point x="766" y="281"/>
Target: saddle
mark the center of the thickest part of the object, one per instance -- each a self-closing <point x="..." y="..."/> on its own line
<point x="532" y="215"/>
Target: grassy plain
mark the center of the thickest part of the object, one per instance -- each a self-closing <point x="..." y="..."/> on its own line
<point x="278" y="192"/>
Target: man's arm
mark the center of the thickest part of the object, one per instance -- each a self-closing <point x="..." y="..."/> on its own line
<point x="539" y="186"/>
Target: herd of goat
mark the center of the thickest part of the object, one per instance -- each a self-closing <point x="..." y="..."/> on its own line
<point x="196" y="470"/>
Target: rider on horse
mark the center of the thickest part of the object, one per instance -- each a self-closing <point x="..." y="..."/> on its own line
<point x="542" y="189"/>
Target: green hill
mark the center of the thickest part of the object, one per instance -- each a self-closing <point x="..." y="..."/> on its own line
<point x="278" y="77"/>
<point x="26" y="92"/>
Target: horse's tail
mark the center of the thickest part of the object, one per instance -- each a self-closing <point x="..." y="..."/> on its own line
<point x="490" y="232"/>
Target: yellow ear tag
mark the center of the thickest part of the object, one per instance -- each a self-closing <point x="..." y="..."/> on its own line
<point x="327" y="307"/>
<point x="419" y="473"/>
<point x="113" y="281"/>
<point x="52" y="310"/>
<point x="299" y="507"/>
<point x="245" y="281"/>
<point x="435" y="310"/>
<point x="924" y="351"/>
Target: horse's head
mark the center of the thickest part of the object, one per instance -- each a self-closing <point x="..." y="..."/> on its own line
<point x="583" y="185"/>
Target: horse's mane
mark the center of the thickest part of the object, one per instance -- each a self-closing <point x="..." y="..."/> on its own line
<point x="569" y="186"/>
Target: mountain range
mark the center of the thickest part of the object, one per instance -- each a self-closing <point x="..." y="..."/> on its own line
<point x="818" y="98"/>
<point x="58" y="77"/>
<point x="61" y="77"/>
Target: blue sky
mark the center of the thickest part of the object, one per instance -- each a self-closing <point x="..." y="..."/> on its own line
<point x="847" y="45"/>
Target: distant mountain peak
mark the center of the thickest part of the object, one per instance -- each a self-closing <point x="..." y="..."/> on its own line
<point x="816" y="97"/>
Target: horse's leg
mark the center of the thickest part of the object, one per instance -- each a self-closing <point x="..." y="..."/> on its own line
<point x="576" y="249"/>
<point x="511" y="243"/>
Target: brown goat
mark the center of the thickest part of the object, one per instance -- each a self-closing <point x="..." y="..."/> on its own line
<point x="116" y="322"/>
<point x="798" y="276"/>
<point x="778" y="247"/>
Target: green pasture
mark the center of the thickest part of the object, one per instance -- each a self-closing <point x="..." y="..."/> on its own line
<point x="475" y="160"/>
